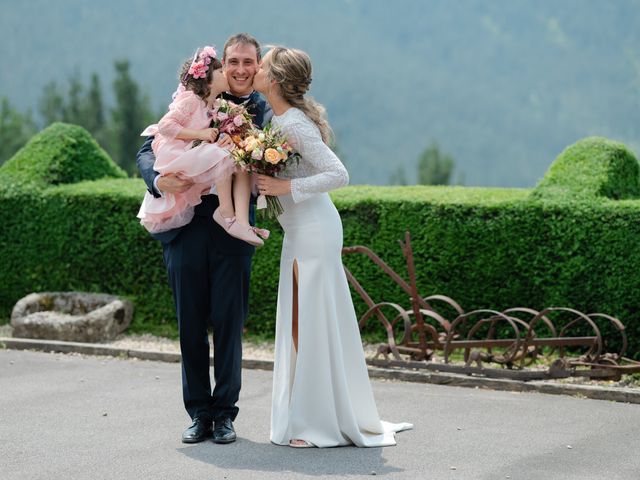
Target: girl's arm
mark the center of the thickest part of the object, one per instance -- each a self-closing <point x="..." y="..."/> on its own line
<point x="206" y="135"/>
<point x="173" y="124"/>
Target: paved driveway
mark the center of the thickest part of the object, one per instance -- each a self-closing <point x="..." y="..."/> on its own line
<point x="76" y="417"/>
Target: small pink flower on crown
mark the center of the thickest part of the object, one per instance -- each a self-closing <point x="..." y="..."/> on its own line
<point x="201" y="61"/>
<point x="198" y="70"/>
<point x="208" y="52"/>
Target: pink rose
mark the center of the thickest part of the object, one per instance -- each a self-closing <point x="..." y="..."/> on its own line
<point x="222" y="116"/>
<point x="238" y="120"/>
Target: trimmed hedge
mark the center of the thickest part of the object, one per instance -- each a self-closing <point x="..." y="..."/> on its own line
<point x="58" y="155"/>
<point x="486" y="248"/>
<point x="592" y="167"/>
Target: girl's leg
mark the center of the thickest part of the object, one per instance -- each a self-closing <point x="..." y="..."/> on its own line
<point x="225" y="189"/>
<point x="236" y="220"/>
<point x="241" y="196"/>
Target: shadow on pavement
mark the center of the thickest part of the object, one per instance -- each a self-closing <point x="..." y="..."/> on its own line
<point x="267" y="457"/>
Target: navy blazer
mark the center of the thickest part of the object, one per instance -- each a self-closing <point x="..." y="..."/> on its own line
<point x="145" y="160"/>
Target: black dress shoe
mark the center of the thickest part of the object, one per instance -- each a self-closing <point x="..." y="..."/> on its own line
<point x="223" y="431"/>
<point x="199" y="431"/>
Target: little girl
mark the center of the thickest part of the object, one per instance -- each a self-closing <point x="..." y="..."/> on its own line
<point x="201" y="81"/>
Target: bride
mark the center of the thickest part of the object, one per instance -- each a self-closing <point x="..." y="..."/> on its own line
<point x="321" y="391"/>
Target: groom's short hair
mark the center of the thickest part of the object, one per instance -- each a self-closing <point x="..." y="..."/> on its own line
<point x="243" y="39"/>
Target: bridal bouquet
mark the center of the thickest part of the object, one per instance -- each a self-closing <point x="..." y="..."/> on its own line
<point x="266" y="152"/>
<point x="229" y="118"/>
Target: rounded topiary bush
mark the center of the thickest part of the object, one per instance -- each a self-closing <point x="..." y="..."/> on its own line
<point x="61" y="153"/>
<point x="592" y="167"/>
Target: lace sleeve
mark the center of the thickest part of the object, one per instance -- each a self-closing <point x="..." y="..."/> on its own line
<point x="178" y="116"/>
<point x="326" y="171"/>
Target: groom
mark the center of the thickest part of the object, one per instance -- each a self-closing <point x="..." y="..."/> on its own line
<point x="209" y="274"/>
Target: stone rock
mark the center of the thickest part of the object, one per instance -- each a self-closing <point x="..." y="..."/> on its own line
<point x="71" y="316"/>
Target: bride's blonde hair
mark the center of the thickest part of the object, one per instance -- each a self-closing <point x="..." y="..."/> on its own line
<point x="290" y="68"/>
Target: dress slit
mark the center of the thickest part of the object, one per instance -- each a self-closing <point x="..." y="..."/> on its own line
<point x="295" y="323"/>
<point x="294" y="311"/>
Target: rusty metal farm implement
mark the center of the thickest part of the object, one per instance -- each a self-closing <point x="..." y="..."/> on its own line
<point x="554" y="343"/>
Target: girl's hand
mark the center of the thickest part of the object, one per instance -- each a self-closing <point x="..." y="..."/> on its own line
<point x="208" y="135"/>
<point x="225" y="141"/>
<point x="273" y="186"/>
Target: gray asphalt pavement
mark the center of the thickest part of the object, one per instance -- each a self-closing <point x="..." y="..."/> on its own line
<point x="76" y="417"/>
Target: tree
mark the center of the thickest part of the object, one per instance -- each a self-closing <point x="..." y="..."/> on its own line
<point x="15" y="130"/>
<point x="119" y="134"/>
<point x="51" y="104"/>
<point x="434" y="167"/>
<point x="73" y="109"/>
<point x="86" y="110"/>
<point x="93" y="109"/>
<point x="129" y="117"/>
<point x="398" y="177"/>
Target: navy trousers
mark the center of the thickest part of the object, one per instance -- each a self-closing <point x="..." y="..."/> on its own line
<point x="210" y="284"/>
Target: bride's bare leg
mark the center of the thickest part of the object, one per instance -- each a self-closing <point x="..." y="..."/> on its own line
<point x="296" y="442"/>
<point x="294" y="313"/>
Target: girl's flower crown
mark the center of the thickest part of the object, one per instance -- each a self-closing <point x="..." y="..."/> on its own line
<point x="201" y="61"/>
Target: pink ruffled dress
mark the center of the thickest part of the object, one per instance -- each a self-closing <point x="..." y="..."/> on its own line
<point x="205" y="164"/>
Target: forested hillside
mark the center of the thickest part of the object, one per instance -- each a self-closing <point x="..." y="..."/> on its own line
<point x="501" y="85"/>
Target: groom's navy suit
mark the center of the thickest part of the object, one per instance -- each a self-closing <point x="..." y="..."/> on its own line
<point x="209" y="276"/>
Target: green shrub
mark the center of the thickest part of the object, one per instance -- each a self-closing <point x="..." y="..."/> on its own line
<point x="61" y="153"/>
<point x="486" y="248"/>
<point x="85" y="237"/>
<point x="592" y="167"/>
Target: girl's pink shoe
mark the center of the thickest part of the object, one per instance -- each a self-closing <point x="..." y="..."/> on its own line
<point x="233" y="228"/>
<point x="261" y="232"/>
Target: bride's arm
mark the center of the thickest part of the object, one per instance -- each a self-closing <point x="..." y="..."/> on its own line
<point x="306" y="140"/>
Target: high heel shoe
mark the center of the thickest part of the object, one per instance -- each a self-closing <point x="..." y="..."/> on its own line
<point x="235" y="229"/>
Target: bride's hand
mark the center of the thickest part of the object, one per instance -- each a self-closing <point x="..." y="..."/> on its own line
<point x="273" y="186"/>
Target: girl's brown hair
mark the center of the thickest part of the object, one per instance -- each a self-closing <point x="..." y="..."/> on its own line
<point x="199" y="86"/>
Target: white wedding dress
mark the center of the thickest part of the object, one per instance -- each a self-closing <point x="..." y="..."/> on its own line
<point x="322" y="394"/>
